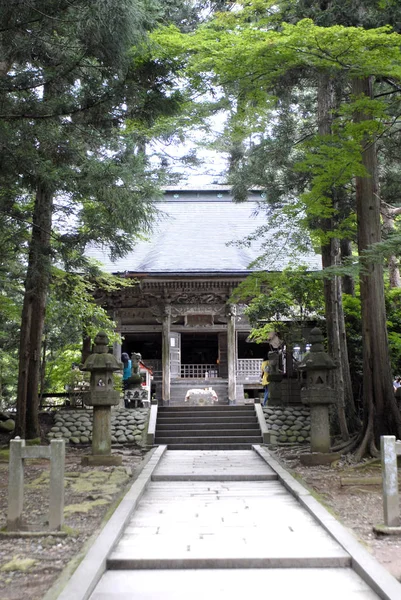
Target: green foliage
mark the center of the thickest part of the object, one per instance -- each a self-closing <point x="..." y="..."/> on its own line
<point x="275" y="299"/>
<point x="73" y="312"/>
<point x="393" y="307"/>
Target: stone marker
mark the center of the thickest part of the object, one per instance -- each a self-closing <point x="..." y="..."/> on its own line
<point x="391" y="505"/>
<point x="102" y="397"/>
<point x="18" y="453"/>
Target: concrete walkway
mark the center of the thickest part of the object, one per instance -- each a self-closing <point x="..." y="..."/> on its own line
<point x="224" y="525"/>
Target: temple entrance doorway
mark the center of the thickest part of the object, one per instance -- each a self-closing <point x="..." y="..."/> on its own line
<point x="199" y="355"/>
<point x="149" y="345"/>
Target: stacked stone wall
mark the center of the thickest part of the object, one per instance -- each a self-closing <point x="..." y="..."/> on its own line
<point x="289" y="424"/>
<point x="75" y="426"/>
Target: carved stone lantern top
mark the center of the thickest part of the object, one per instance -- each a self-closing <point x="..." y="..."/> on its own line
<point x="101" y="366"/>
<point x="316" y="358"/>
<point x="101" y="360"/>
<point x="315" y="369"/>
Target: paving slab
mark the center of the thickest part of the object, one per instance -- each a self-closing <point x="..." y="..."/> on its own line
<point x="221" y="584"/>
<point x="227" y="529"/>
<point x="240" y="523"/>
<point x="209" y="465"/>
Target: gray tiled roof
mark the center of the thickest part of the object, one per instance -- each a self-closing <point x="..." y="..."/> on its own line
<point x="193" y="235"/>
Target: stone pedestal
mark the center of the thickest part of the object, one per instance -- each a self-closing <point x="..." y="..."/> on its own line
<point x="319" y="428"/>
<point x="319" y="458"/>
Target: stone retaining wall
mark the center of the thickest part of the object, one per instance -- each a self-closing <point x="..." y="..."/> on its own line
<point x="75" y="426"/>
<point x="289" y="424"/>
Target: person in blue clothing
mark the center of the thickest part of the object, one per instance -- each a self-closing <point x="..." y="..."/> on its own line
<point x="127" y="366"/>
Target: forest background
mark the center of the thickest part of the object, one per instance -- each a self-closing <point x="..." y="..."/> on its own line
<point x="311" y="98"/>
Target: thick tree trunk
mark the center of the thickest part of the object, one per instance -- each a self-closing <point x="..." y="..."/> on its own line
<point x="381" y="415"/>
<point x="332" y="285"/>
<point x="33" y="315"/>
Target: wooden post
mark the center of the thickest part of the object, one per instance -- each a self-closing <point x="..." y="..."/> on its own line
<point x="18" y="452"/>
<point x="391" y="507"/>
<point x="166" y="355"/>
<point x="231" y="355"/>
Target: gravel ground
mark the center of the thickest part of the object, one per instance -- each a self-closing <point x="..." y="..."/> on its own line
<point x="30" y="566"/>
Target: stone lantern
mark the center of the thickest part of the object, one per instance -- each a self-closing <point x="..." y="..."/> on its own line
<point x="102" y="397"/>
<point x="318" y="395"/>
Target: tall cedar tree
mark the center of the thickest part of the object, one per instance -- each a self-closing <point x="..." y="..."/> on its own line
<point x="66" y="88"/>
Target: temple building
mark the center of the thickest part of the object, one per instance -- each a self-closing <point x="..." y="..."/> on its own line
<point x="178" y="314"/>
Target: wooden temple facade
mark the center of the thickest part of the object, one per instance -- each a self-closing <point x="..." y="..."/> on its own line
<point x="178" y="314"/>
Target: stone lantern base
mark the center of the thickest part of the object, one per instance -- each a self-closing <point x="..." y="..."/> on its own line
<point x="319" y="458"/>
<point x="93" y="460"/>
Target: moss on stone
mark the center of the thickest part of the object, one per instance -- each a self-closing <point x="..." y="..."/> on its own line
<point x="43" y="479"/>
<point x="18" y="564"/>
<point x="84" y="507"/>
<point x="70" y="531"/>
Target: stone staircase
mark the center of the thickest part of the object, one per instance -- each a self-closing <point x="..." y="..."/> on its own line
<point x="207" y="427"/>
<point x="179" y="388"/>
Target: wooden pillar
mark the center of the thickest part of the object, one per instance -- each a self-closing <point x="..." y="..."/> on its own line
<point x="231" y="354"/>
<point x="117" y="345"/>
<point x="166" y="355"/>
<point x="223" y="369"/>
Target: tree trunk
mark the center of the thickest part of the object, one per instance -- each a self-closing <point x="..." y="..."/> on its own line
<point x="33" y="315"/>
<point x="334" y="313"/>
<point x="381" y="415"/>
<point x="393" y="264"/>
<point x="348" y="284"/>
<point x="86" y="348"/>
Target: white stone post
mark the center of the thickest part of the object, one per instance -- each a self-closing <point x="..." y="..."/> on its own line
<point x="231" y="355"/>
<point x="391" y="507"/>
<point x="57" y="461"/>
<point x="15" y="485"/>
<point x="18" y="453"/>
<point x="166" y="355"/>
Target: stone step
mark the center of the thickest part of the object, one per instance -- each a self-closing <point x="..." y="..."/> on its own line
<point x="213" y="477"/>
<point x="173" y="426"/>
<point x="212" y="407"/>
<point x="255" y="431"/>
<point x="321" y="562"/>
<point x="234" y="584"/>
<point x="206" y="419"/>
<point x="209" y="439"/>
<point x="190" y="412"/>
<point x="214" y="446"/>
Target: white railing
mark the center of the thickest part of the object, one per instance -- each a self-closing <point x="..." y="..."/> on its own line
<point x="249" y="368"/>
<point x="199" y="371"/>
